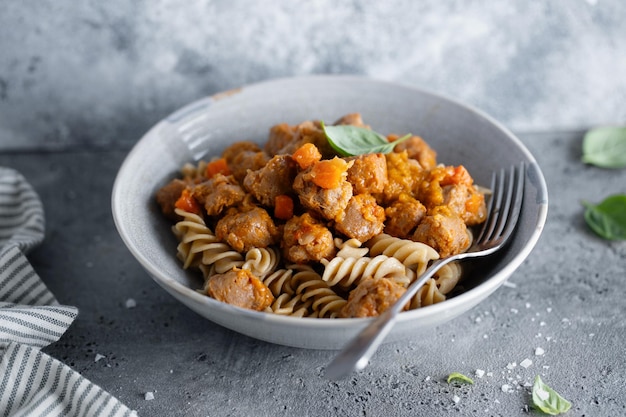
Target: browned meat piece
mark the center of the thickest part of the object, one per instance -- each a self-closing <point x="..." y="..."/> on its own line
<point x="466" y="202"/>
<point x="403" y="216"/>
<point x="404" y="176"/>
<point x="419" y="150"/>
<point x="305" y="239"/>
<point x="328" y="202"/>
<point x="363" y="218"/>
<point x="444" y="231"/>
<point x="274" y="179"/>
<point x="167" y="195"/>
<point x="372" y="297"/>
<point x="242" y="156"/>
<point x="353" y="119"/>
<point x="280" y="136"/>
<point x="368" y="173"/>
<point x="244" y="230"/>
<point x="218" y="193"/>
<point x="236" y="148"/>
<point x="241" y="288"/>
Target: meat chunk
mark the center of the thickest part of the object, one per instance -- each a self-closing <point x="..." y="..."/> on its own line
<point x="403" y="216"/>
<point x="241" y="288"/>
<point x="372" y="297"/>
<point x="328" y="202"/>
<point x="244" y="156"/>
<point x="285" y="139"/>
<point x="419" y="150"/>
<point x="466" y="202"/>
<point x="167" y="195"/>
<point x="444" y="231"/>
<point x="362" y="219"/>
<point x="368" y="173"/>
<point x="353" y="119"/>
<point x="218" y="193"/>
<point x="404" y="176"/>
<point x="244" y="230"/>
<point x="274" y="179"/>
<point x="306" y="239"/>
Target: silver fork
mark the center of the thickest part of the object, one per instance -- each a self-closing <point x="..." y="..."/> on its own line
<point x="504" y="208"/>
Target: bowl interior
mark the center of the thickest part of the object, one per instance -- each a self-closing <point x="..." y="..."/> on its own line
<point x="459" y="134"/>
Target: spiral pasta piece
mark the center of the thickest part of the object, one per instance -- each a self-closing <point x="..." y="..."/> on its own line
<point x="350" y="248"/>
<point x="448" y="277"/>
<point x="326" y="303"/>
<point x="289" y="305"/>
<point x="261" y="261"/>
<point x="414" y="255"/>
<point x="429" y="294"/>
<point x="279" y="282"/>
<point x="349" y="272"/>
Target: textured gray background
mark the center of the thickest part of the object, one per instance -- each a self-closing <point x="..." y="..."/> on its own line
<point x="101" y="73"/>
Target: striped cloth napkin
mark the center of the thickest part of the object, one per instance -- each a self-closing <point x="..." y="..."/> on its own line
<point x="31" y="382"/>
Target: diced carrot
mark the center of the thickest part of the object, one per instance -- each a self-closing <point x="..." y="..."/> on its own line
<point x="217" y="166"/>
<point x="456" y="175"/>
<point x="283" y="207"/>
<point x="187" y="203"/>
<point x="306" y="155"/>
<point x="328" y="173"/>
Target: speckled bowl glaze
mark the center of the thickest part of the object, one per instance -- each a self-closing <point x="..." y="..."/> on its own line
<point x="459" y="134"/>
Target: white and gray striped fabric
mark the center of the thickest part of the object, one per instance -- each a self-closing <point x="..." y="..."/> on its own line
<point x="31" y="382"/>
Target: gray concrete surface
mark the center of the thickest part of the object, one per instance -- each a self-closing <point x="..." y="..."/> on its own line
<point x="567" y="299"/>
<point x="101" y="73"/>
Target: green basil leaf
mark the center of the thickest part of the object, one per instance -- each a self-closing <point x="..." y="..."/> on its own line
<point x="548" y="400"/>
<point x="457" y="377"/>
<point x="608" y="219"/>
<point x="348" y="140"/>
<point x="605" y="147"/>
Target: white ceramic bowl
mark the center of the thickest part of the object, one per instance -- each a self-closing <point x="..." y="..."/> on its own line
<point x="459" y="134"/>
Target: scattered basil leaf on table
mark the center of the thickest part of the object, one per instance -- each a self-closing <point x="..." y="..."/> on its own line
<point x="348" y="140"/>
<point x="548" y="400"/>
<point x="608" y="219"/>
<point x="458" y="377"/>
<point x="605" y="147"/>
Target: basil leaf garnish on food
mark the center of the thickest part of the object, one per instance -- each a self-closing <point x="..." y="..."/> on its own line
<point x="608" y="219"/>
<point x="605" y="147"/>
<point x="548" y="400"/>
<point x="348" y="140"/>
<point x="459" y="378"/>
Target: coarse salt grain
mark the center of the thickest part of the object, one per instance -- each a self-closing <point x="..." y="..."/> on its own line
<point x="456" y="399"/>
<point x="130" y="303"/>
<point x="511" y="365"/>
<point x="539" y="351"/>
<point x="479" y="373"/>
<point x="98" y="357"/>
<point x="506" y="388"/>
<point x="525" y="363"/>
<point x="149" y="396"/>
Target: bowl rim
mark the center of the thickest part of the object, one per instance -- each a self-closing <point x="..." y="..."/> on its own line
<point x="477" y="293"/>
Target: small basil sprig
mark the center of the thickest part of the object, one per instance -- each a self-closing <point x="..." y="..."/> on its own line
<point x="548" y="400"/>
<point x="608" y="219"/>
<point x="605" y="147"/>
<point x="459" y="378"/>
<point x="348" y="140"/>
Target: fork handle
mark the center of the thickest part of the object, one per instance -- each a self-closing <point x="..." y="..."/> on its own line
<point x="358" y="352"/>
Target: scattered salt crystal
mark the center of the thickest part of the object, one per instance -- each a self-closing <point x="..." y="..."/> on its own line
<point x="506" y="388"/>
<point x="427" y="379"/>
<point x="489" y="373"/>
<point x="485" y="336"/>
<point x="130" y="303"/>
<point x="511" y="365"/>
<point x="496" y="401"/>
<point x="98" y="357"/>
<point x="542" y="394"/>
<point x="479" y="373"/>
<point x="538" y="335"/>
<point x="149" y="396"/>
<point x="525" y="363"/>
<point x="539" y="351"/>
<point x="591" y="334"/>
<point x="509" y="284"/>
<point x="549" y="309"/>
<point x="543" y="323"/>
<point x="478" y="320"/>
<point x="514" y="310"/>
<point x="456" y="399"/>
<point x="546" y="367"/>
<point x="527" y="305"/>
